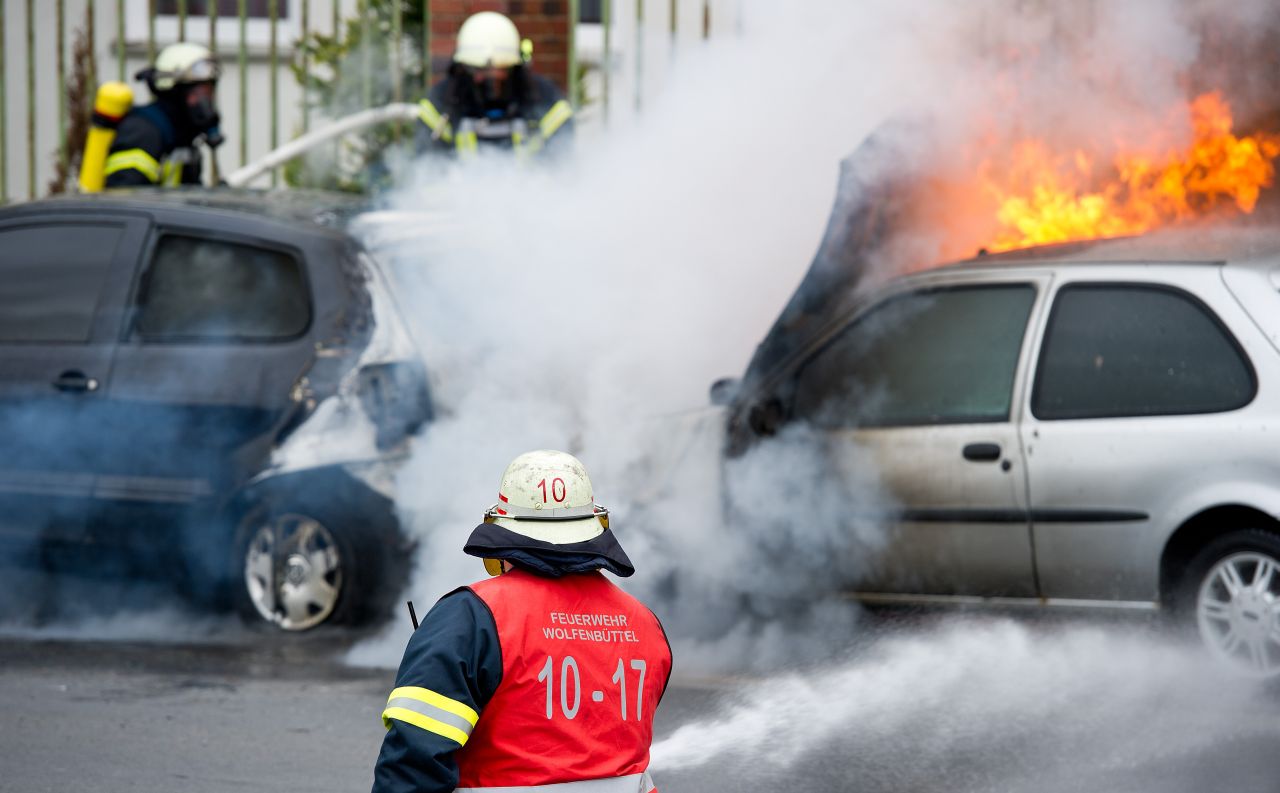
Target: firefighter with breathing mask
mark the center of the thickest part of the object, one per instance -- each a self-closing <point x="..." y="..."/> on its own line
<point x="491" y="97"/>
<point x="155" y="144"/>
<point x="545" y="674"/>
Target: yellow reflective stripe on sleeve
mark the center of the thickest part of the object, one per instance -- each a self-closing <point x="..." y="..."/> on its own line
<point x="467" y="142"/>
<point x="429" y="697"/>
<point x="555" y="118"/>
<point x="429" y="115"/>
<point x="438" y="124"/>
<point x="523" y="147"/>
<point x="134" y="159"/>
<point x="172" y="173"/>
<point x="425" y="722"/>
<point x="432" y="712"/>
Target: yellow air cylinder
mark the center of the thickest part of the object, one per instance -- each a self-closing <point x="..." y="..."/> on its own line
<point x="110" y="105"/>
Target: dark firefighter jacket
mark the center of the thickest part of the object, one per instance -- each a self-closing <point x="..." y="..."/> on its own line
<point x="537" y="123"/>
<point x="470" y="707"/>
<point x="150" y="148"/>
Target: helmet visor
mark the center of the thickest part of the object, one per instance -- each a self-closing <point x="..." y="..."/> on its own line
<point x="577" y="524"/>
<point x="493" y="513"/>
<point x="205" y="70"/>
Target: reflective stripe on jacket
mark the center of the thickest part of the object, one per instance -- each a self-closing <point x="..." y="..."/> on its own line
<point x="137" y="159"/>
<point x="633" y="783"/>
<point x="430" y="711"/>
<point x="168" y="173"/>
<point x="555" y="118"/>
<point x="435" y="121"/>
<point x="466" y="141"/>
<point x="146" y="151"/>
<point x="584" y="666"/>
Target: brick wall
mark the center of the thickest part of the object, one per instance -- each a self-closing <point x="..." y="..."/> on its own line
<point x="545" y="22"/>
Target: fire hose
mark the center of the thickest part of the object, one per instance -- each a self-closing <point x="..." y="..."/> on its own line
<point x="356" y="122"/>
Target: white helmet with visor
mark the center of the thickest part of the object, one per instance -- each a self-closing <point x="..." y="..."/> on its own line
<point x="546" y="495"/>
<point x="184" y="64"/>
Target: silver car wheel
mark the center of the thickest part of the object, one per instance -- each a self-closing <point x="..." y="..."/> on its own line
<point x="293" y="572"/>
<point x="1238" y="612"/>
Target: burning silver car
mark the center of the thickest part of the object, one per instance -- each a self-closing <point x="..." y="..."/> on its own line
<point x="1088" y="425"/>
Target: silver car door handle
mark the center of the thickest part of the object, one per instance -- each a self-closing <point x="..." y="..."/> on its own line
<point x="982" y="452"/>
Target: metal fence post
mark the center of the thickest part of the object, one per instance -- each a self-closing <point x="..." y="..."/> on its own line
<point x="426" y="47"/>
<point x="91" y="36"/>
<point x="243" y="63"/>
<point x="274" y="11"/>
<point x="639" y="55"/>
<point x="151" y="31"/>
<point x="337" y="26"/>
<point x="366" y="56"/>
<point x="397" y="68"/>
<point x="366" y="67"/>
<point x="182" y="20"/>
<point x="675" y="25"/>
<point x="60" y="31"/>
<point x="706" y="19"/>
<point x="575" y="90"/>
<point x="120" y="65"/>
<point x="31" y="99"/>
<point x="4" y="113"/>
<point x="606" y="65"/>
<point x="306" y="66"/>
<point x="212" y="10"/>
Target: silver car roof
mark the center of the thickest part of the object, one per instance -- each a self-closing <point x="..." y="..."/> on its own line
<point x="1245" y="244"/>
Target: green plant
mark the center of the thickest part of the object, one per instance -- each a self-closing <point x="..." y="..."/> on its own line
<point x="79" y="99"/>
<point x="351" y="71"/>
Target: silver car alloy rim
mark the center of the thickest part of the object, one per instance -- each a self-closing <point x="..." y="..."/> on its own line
<point x="293" y="572"/>
<point x="1238" y="611"/>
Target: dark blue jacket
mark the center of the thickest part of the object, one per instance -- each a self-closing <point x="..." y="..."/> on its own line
<point x="455" y="653"/>
<point x="144" y="141"/>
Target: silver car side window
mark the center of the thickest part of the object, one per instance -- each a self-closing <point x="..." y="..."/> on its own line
<point x="938" y="356"/>
<point x="1114" y="350"/>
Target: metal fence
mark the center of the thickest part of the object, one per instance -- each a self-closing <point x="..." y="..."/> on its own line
<point x="257" y="39"/>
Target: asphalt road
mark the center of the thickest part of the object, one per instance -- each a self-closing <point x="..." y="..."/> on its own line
<point x="253" y="714"/>
<point x="950" y="705"/>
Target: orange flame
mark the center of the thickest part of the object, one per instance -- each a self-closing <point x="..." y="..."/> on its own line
<point x="1061" y="201"/>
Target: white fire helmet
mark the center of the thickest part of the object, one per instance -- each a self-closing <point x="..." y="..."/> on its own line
<point x="488" y="39"/>
<point x="183" y="64"/>
<point x="546" y="495"/>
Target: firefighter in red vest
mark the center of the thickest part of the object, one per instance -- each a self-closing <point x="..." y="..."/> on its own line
<point x="545" y="674"/>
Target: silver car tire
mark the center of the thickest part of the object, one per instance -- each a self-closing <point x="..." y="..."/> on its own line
<point x="1237" y="601"/>
<point x="294" y="570"/>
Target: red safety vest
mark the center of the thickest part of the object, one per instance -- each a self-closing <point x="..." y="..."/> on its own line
<point x="584" y="665"/>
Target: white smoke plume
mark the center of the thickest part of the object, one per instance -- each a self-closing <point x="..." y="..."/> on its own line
<point x="588" y="308"/>
<point x="981" y="705"/>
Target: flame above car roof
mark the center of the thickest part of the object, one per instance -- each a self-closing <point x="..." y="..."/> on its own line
<point x="1236" y="240"/>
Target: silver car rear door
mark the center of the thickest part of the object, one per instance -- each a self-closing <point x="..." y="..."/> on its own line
<point x="1143" y="398"/>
